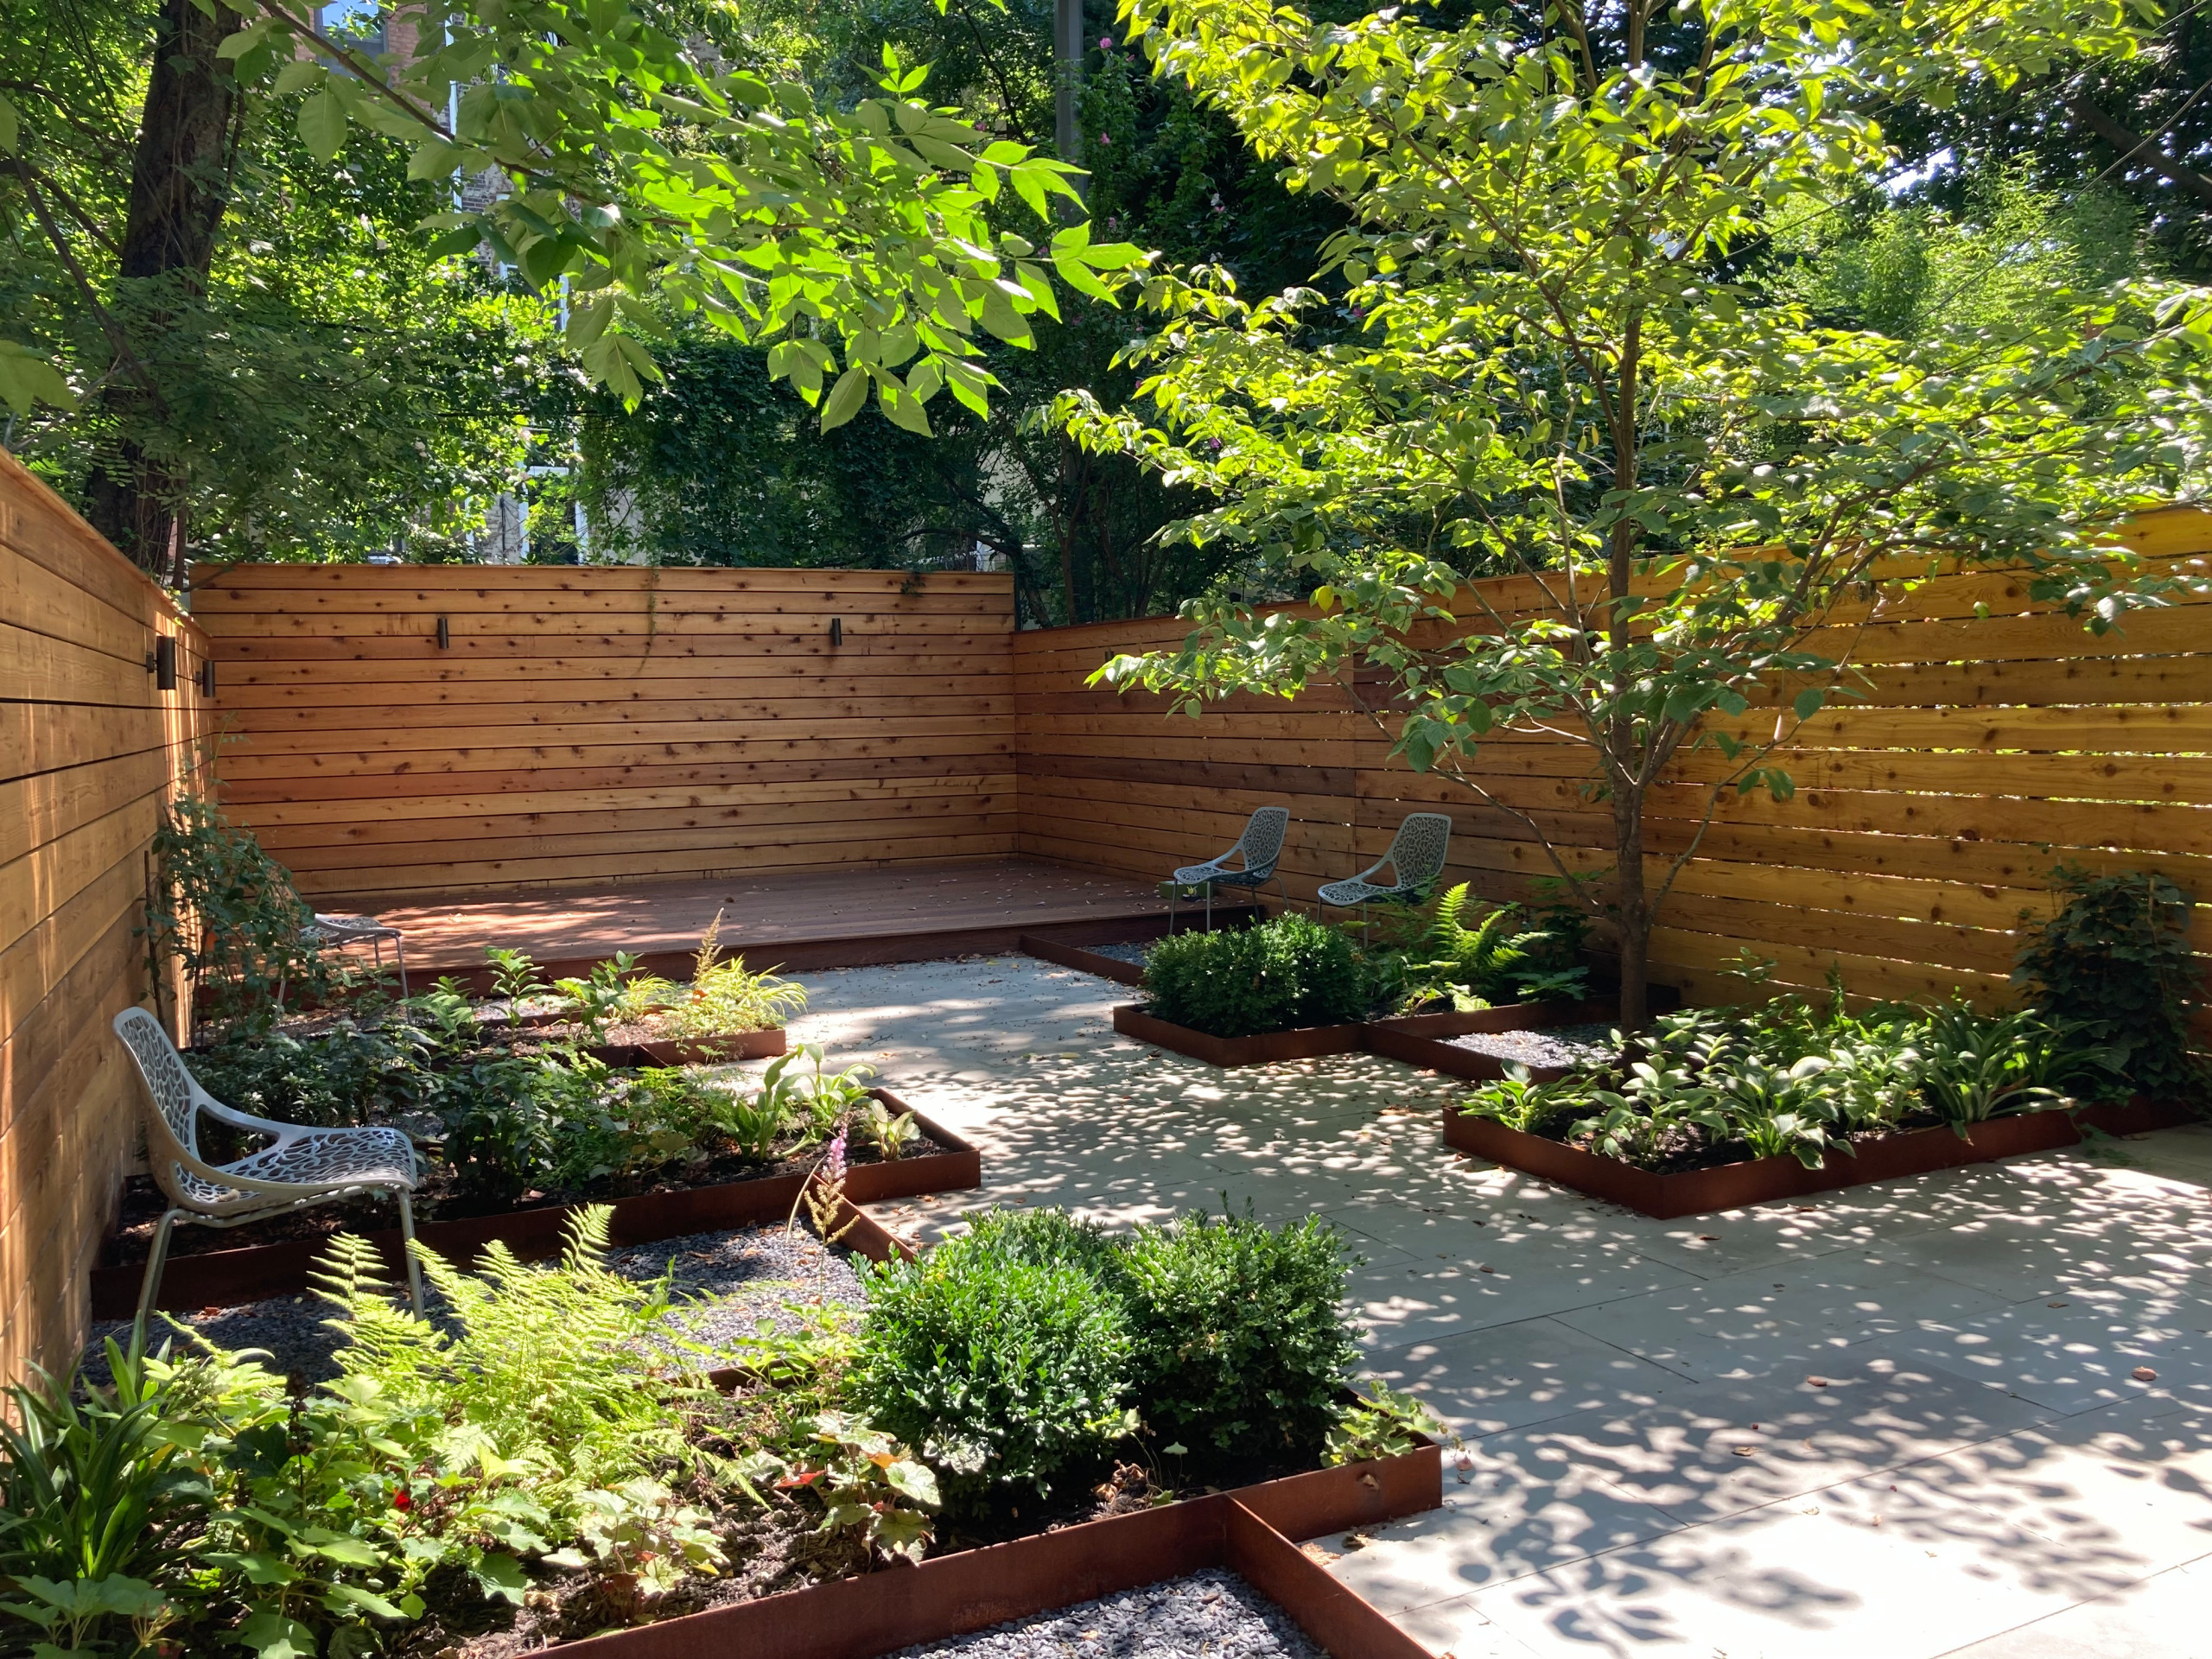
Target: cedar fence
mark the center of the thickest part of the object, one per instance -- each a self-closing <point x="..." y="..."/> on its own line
<point x="90" y="747"/>
<point x="402" y="732"/>
<point x="1997" y="739"/>
<point x="425" y="731"/>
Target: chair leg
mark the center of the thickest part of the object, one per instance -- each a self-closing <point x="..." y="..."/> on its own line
<point x="1208" y="907"/>
<point x="399" y="955"/>
<point x="407" y="1243"/>
<point x="151" y="1287"/>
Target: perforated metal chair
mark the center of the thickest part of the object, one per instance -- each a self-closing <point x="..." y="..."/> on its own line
<point x="337" y="932"/>
<point x="303" y="1166"/>
<point x="1416" y="860"/>
<point x="1260" y="846"/>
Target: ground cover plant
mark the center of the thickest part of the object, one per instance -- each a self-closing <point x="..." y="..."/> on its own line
<point x="547" y="1459"/>
<point x="1288" y="971"/>
<point x="1799" y="1079"/>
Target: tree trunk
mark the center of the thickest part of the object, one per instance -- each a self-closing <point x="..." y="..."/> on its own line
<point x="180" y="188"/>
<point x="1634" y="909"/>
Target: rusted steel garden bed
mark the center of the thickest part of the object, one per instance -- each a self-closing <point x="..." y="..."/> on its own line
<point x="226" y="1278"/>
<point x="1731" y="1186"/>
<point x="1424" y="1039"/>
<point x="1248" y="1530"/>
<point x="1309" y="1043"/>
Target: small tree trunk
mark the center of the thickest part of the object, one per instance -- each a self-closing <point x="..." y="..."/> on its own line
<point x="180" y="189"/>
<point x="1634" y="909"/>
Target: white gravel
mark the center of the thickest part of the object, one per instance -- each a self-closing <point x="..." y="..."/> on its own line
<point x="1590" y="1045"/>
<point x="1213" y="1614"/>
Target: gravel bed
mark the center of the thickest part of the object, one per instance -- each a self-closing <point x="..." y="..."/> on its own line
<point x="724" y="1284"/>
<point x="1134" y="952"/>
<point x="1556" y="1046"/>
<point x="1214" y="1613"/>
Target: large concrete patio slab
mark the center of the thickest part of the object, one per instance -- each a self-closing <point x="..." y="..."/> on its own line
<point x="1893" y="1422"/>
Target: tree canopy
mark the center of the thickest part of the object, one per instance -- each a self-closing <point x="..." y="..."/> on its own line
<point x="1579" y="355"/>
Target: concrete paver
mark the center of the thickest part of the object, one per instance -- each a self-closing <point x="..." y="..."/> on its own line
<point x="1649" y="1467"/>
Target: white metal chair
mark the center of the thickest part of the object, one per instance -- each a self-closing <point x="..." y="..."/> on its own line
<point x="1416" y="860"/>
<point x="337" y="932"/>
<point x="1261" y="848"/>
<point x="304" y="1166"/>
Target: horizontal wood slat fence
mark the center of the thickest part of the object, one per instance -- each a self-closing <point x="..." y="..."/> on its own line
<point x="90" y="749"/>
<point x="604" y="725"/>
<point x="1988" y="748"/>
<point x="586" y="726"/>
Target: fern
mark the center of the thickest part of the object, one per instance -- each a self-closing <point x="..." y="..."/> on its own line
<point x="549" y="1365"/>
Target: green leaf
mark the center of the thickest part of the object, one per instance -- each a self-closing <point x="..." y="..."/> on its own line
<point x="1809" y="702"/>
<point x="26" y="379"/>
<point x="350" y="1599"/>
<point x="901" y="406"/>
<point x="322" y="125"/>
<point x="298" y="75"/>
<point x="433" y="158"/>
<point x="272" y="1636"/>
<point x="844" y="400"/>
<point x="501" y="1578"/>
<point x="10" y="127"/>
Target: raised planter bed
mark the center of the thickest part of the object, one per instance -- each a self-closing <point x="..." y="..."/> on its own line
<point x="1090" y="962"/>
<point x="1731" y="1186"/>
<point x="1425" y="1040"/>
<point x="226" y="1278"/>
<point x="1310" y="1043"/>
<point x="1248" y="1530"/>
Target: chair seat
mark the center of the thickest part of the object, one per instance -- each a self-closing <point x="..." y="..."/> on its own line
<point x="353" y="927"/>
<point x="1344" y="895"/>
<point x="1194" y="875"/>
<point x="317" y="1161"/>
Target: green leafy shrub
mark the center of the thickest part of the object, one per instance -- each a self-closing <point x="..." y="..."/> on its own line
<point x="1238" y="1339"/>
<point x="1796" y="1078"/>
<point x="2115" y="964"/>
<point x="1506" y="956"/>
<point x="345" y="1075"/>
<point x="1003" y="1361"/>
<point x="1287" y="973"/>
<point x="226" y="914"/>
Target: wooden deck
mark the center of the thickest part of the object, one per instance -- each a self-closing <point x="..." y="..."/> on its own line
<point x="810" y="920"/>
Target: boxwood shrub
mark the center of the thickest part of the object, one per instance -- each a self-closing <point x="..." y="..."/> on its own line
<point x="1287" y="973"/>
<point x="1017" y="1353"/>
<point x="1238" y="1339"/>
<point x="1001" y="1353"/>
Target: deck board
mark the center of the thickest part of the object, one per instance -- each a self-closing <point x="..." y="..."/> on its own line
<point x="813" y="919"/>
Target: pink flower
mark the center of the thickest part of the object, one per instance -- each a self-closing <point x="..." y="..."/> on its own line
<point x="1105" y="43"/>
<point x="834" y="1167"/>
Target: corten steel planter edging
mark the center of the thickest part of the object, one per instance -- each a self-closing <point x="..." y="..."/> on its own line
<point x="1248" y="1530"/>
<point x="1423" y="1040"/>
<point x="1732" y="1186"/>
<point x="1061" y="947"/>
<point x="1308" y="1043"/>
<point x="227" y="1278"/>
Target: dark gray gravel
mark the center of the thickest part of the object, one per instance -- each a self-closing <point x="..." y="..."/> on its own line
<point x="1133" y="952"/>
<point x="725" y="1283"/>
<point x="1557" y="1046"/>
<point x="1215" y="1614"/>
